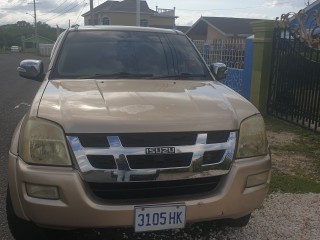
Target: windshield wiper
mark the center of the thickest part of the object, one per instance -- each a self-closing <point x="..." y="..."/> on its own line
<point x="179" y="76"/>
<point x="116" y="75"/>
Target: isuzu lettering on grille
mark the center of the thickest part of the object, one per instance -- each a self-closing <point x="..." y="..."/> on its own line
<point x="160" y="150"/>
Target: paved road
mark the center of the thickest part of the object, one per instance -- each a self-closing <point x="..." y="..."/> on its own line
<point x="16" y="94"/>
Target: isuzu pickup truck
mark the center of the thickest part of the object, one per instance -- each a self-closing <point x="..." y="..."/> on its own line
<point x="130" y="128"/>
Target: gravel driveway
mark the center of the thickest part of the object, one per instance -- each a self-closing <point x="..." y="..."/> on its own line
<point x="283" y="216"/>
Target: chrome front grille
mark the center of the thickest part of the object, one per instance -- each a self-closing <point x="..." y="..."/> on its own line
<point x="206" y="155"/>
<point x="151" y="139"/>
<point x="154" y="189"/>
<point x="162" y="161"/>
<point x="102" y="161"/>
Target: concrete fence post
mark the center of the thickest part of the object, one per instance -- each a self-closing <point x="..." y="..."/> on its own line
<point x="261" y="66"/>
<point x="247" y="72"/>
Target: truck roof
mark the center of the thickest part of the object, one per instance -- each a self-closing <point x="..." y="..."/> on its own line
<point x="123" y="28"/>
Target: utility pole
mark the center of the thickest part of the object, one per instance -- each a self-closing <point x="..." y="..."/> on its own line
<point x="138" y="14"/>
<point x="91" y="12"/>
<point x="36" y="27"/>
<point x="58" y="30"/>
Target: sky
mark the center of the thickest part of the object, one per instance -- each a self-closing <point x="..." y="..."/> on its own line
<point x="59" y="12"/>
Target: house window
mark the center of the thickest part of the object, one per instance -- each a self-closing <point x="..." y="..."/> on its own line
<point x="105" y="21"/>
<point x="144" y="23"/>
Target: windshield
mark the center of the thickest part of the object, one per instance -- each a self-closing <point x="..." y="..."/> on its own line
<point x="125" y="54"/>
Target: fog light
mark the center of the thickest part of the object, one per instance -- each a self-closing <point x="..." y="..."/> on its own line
<point x="257" y="179"/>
<point x="42" y="191"/>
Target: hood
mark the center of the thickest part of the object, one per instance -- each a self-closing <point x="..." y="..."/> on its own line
<point x="127" y="106"/>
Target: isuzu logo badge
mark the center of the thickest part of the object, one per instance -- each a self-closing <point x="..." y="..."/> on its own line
<point x="160" y="150"/>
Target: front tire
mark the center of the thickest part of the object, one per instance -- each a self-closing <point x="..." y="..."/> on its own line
<point x="239" y="222"/>
<point x="22" y="229"/>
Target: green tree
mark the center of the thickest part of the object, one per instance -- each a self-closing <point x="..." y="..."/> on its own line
<point x="12" y="34"/>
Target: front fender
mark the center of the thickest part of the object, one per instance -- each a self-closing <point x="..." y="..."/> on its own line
<point x="14" y="148"/>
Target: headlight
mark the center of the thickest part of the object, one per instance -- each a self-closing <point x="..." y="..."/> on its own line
<point x="43" y="142"/>
<point x="252" y="138"/>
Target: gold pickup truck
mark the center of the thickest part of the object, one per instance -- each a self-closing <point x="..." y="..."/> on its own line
<point x="131" y="128"/>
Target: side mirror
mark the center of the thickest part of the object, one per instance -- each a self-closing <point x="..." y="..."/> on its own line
<point x="31" y="69"/>
<point x="219" y="70"/>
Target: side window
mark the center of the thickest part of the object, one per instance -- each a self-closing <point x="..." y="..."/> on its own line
<point x="105" y="21"/>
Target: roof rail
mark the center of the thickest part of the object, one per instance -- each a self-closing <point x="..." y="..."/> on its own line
<point x="76" y="26"/>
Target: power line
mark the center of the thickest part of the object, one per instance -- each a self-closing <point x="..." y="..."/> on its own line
<point x="80" y="13"/>
<point x="62" y="12"/>
<point x="54" y="8"/>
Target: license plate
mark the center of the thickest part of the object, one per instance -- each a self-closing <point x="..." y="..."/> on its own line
<point x="159" y="217"/>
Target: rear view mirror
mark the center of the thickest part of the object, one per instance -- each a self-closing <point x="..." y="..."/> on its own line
<point x="219" y="70"/>
<point x="31" y="69"/>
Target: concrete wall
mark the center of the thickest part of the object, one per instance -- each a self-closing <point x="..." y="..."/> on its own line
<point x="214" y="34"/>
<point x="162" y="21"/>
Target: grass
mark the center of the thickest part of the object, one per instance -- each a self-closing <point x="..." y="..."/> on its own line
<point x="278" y="125"/>
<point x="284" y="183"/>
<point x="306" y="144"/>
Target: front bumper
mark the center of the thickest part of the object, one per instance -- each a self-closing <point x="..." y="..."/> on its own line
<point x="76" y="207"/>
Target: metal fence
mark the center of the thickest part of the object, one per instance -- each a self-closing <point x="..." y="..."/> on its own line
<point x="294" y="93"/>
<point x="45" y="49"/>
<point x="230" y="52"/>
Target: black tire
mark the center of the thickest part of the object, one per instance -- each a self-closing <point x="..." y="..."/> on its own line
<point x="21" y="229"/>
<point x="238" y="222"/>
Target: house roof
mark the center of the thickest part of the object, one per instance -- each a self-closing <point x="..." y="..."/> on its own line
<point x="315" y="6"/>
<point x="226" y="26"/>
<point x="122" y="6"/>
<point x="183" y="29"/>
<point x="162" y="26"/>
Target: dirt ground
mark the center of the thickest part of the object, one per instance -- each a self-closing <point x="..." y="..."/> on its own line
<point x="293" y="153"/>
